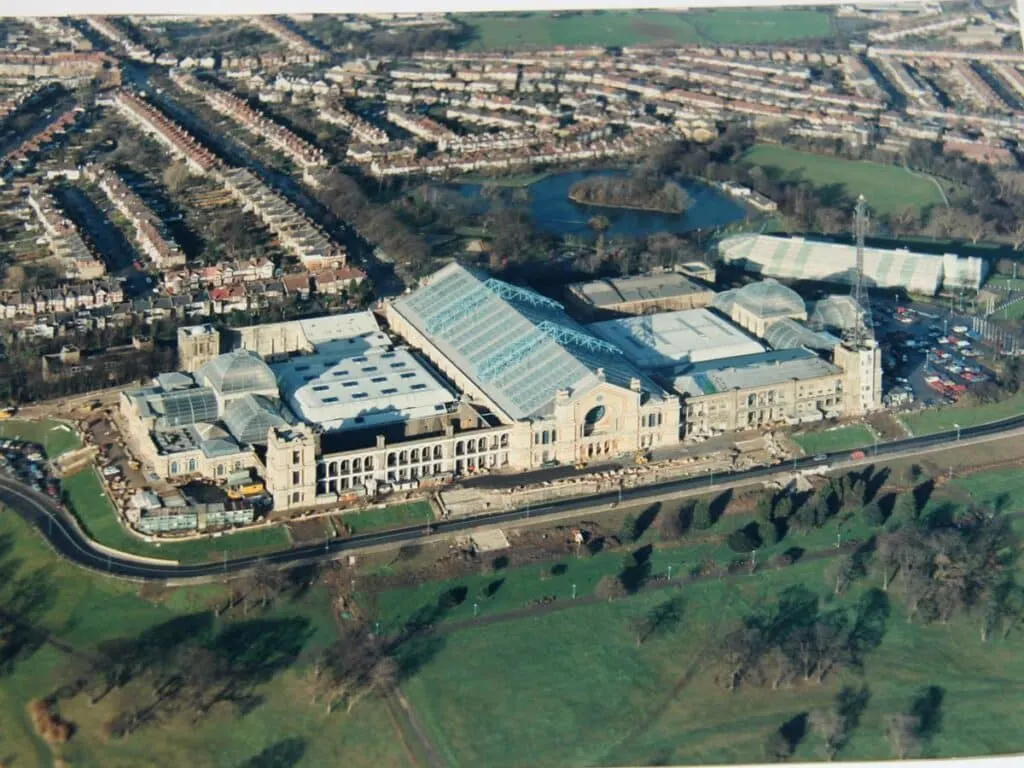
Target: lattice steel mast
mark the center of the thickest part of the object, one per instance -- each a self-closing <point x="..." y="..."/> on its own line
<point x="859" y="332"/>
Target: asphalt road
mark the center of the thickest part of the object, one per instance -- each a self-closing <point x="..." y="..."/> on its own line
<point x="65" y="536"/>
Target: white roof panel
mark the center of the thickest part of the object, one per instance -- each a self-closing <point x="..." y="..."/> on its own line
<point x="339" y="389"/>
<point x="670" y="338"/>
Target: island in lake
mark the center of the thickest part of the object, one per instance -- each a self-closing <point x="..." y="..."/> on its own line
<point x="641" y="192"/>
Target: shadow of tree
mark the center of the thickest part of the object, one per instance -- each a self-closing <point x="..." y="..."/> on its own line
<point x="719" y="504"/>
<point x="927" y="707"/>
<point x="874" y="480"/>
<point x="283" y="754"/>
<point x="922" y="493"/>
<point x="794" y="730"/>
<point x="644" y="520"/>
<point x="636" y="568"/>
<point x="870" y="623"/>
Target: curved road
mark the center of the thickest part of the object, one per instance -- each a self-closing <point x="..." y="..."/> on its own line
<point x="68" y="539"/>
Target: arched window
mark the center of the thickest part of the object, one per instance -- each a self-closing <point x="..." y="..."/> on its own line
<point x="592" y="419"/>
<point x="174" y="467"/>
<point x="220" y="470"/>
<point x="191" y="465"/>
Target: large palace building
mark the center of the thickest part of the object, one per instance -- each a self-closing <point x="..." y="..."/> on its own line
<point x="469" y="373"/>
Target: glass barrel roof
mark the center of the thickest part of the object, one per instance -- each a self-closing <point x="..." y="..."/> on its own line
<point x="839" y="312"/>
<point x="187" y="406"/>
<point x="250" y="417"/>
<point x="519" y="346"/>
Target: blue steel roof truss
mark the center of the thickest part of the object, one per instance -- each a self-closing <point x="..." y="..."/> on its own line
<point x="511" y="292"/>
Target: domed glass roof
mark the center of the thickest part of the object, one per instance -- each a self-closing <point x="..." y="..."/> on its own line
<point x="767" y="298"/>
<point x="237" y="372"/>
<point x="839" y="312"/>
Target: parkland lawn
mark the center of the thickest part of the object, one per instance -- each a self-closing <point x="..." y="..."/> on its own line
<point x="81" y="609"/>
<point x="508" y="31"/>
<point x="565" y="688"/>
<point x="946" y="418"/>
<point x="837" y="439"/>
<point x="887" y="188"/>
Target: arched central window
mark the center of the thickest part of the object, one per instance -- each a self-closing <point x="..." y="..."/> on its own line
<point x="592" y="419"/>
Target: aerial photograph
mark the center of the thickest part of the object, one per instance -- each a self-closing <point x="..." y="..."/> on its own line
<point x="522" y="389"/>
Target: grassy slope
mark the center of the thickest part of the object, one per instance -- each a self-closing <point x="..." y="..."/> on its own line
<point x="886" y="187"/>
<point x="523" y="584"/>
<point x="839" y="439"/>
<point x="611" y="28"/>
<point x="83" y="609"/>
<point x="576" y="683"/>
<point x="943" y="419"/>
<point x="394" y="516"/>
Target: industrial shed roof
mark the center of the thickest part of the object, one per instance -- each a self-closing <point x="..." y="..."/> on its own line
<point x="518" y="346"/>
<point x="765" y="369"/>
<point x="620" y="290"/>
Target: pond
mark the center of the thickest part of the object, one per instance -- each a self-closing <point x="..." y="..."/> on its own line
<point x="554" y="212"/>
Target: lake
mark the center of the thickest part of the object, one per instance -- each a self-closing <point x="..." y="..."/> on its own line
<point x="554" y="212"/>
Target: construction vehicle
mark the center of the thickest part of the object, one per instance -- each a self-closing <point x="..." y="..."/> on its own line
<point x="581" y="465"/>
<point x="6" y="413"/>
<point x="253" y="489"/>
<point x="641" y="458"/>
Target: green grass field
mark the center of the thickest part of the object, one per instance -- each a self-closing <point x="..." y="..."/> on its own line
<point x="839" y="439"/>
<point x="586" y="695"/>
<point x="81" y="609"/>
<point x="887" y="188"/>
<point x="556" y="579"/>
<point x="394" y="516"/>
<point x="97" y="515"/>
<point x="56" y="438"/>
<point x="623" y="28"/>
<point x="943" y="419"/>
<point x="1004" y="283"/>
<point x="1011" y="312"/>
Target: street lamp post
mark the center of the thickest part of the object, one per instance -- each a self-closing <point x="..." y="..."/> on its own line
<point x="957" y="426"/>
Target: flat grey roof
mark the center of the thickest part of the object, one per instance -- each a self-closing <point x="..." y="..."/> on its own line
<point x="749" y="371"/>
<point x="671" y="338"/>
<point x="619" y="290"/>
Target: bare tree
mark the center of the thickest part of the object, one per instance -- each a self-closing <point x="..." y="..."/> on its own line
<point x="901" y="731"/>
<point x="905" y="221"/>
<point x="357" y="665"/>
<point x="610" y="588"/>
<point x="831" y="726"/>
<point x="176" y="176"/>
<point x="600" y="225"/>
